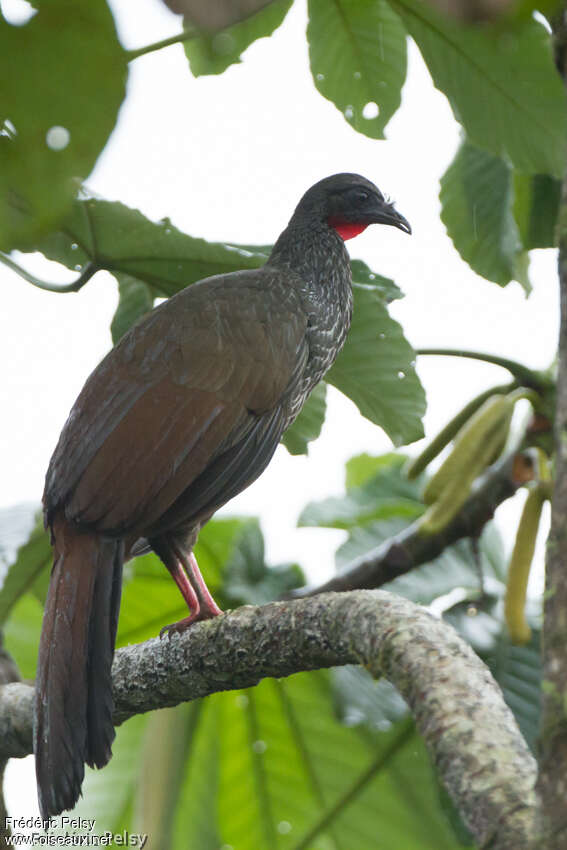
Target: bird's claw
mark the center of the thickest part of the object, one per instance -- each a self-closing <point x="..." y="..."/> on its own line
<point x="177" y="628"/>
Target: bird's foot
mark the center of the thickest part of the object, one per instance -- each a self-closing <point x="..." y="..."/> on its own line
<point x="187" y="576"/>
<point x="204" y="612"/>
<point x="177" y="628"/>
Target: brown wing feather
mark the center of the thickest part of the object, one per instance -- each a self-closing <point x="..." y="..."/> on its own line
<point x="189" y="382"/>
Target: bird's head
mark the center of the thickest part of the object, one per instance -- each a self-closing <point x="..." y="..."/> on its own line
<point x="349" y="203"/>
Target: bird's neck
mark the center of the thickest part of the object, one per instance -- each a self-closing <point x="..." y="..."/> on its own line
<point x="315" y="253"/>
<point x="320" y="266"/>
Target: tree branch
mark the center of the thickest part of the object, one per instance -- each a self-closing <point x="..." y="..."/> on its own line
<point x="8" y="673"/>
<point x="411" y="547"/>
<point x="552" y="781"/>
<point x="471" y="734"/>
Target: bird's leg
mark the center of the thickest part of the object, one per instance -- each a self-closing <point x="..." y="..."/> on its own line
<point x="187" y="576"/>
<point x="181" y="579"/>
<point x="208" y="606"/>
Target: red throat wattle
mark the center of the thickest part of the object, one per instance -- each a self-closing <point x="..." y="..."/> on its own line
<point x="347" y="230"/>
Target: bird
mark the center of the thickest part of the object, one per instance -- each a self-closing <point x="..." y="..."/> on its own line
<point x="180" y="416"/>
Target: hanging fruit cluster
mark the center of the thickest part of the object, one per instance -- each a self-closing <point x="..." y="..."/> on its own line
<point x="480" y="434"/>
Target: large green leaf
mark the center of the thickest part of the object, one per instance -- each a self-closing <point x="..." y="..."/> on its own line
<point x="21" y="633"/>
<point x="360" y="699"/>
<point x="379" y="503"/>
<point x="196" y="810"/>
<point x="120" y="239"/>
<point x="358" y="59"/>
<point x="476" y="208"/>
<point x="213" y="53"/>
<point x="362" y="468"/>
<point x="169" y="738"/>
<point x="62" y="81"/>
<point x="364" y="275"/>
<point x="292" y="777"/>
<point x="518" y="671"/>
<point x="247" y="579"/>
<point x="26" y="545"/>
<point x="385" y="493"/>
<point x="501" y="83"/>
<point x="270" y="766"/>
<point x="16" y="524"/>
<point x="135" y="298"/>
<point x="376" y="370"/>
<point x="109" y="794"/>
<point x="32" y="558"/>
<point x="454" y="568"/>
<point x="308" y="424"/>
<point x="536" y="208"/>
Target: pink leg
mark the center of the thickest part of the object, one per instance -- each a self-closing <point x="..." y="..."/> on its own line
<point x="187" y="576"/>
<point x="208" y="606"/>
<point x="181" y="580"/>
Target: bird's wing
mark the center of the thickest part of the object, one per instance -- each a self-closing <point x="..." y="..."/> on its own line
<point x="203" y="375"/>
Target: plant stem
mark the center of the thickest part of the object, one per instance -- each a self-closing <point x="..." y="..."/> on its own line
<point x="89" y="270"/>
<point x="186" y="35"/>
<point x="527" y="377"/>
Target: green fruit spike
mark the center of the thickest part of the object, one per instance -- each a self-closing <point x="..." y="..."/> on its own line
<point x="464" y="462"/>
<point x="458" y="487"/>
<point x="416" y="466"/>
<point x="520" y="565"/>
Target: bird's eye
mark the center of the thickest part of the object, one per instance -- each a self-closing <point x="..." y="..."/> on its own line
<point x="362" y="194"/>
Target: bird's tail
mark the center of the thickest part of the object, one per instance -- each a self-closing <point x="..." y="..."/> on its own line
<point x="73" y="703"/>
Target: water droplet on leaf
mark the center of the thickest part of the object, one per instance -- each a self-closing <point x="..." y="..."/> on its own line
<point x="17" y="12"/>
<point x="57" y="138"/>
<point x="8" y="129"/>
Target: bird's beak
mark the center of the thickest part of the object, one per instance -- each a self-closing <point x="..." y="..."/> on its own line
<point x="387" y="214"/>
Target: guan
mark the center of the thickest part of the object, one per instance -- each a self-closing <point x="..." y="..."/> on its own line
<point x="184" y="413"/>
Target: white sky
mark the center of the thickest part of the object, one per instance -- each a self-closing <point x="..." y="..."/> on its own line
<point x="228" y="158"/>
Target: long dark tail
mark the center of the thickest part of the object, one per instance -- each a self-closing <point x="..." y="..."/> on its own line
<point x="73" y="703"/>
